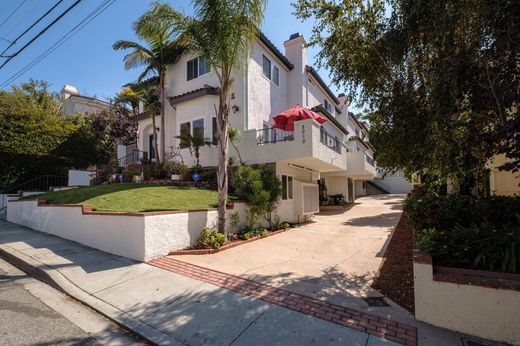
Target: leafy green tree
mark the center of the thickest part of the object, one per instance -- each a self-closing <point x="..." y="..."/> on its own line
<point x="223" y="32"/>
<point x="440" y="77"/>
<point x="160" y="50"/>
<point x="31" y="129"/>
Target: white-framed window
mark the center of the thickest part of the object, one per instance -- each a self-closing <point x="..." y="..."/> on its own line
<point x="287" y="187"/>
<point x="191" y="127"/>
<point x="270" y="70"/>
<point x="197" y="67"/>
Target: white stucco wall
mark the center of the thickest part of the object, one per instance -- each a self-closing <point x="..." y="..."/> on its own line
<point x="486" y="312"/>
<point x="80" y="178"/>
<point x="134" y="236"/>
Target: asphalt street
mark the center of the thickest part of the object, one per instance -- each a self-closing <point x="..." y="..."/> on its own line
<point x="26" y="316"/>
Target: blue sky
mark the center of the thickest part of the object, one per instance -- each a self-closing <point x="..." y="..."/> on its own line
<point x="87" y="60"/>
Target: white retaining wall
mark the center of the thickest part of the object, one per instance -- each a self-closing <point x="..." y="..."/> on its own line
<point x="490" y="313"/>
<point x="80" y="178"/>
<point x="140" y="237"/>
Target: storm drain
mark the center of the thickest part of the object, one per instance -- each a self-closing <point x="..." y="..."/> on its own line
<point x="377" y="301"/>
<point x="472" y="341"/>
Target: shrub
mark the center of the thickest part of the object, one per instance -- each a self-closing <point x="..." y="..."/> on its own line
<point x="468" y="232"/>
<point x="211" y="239"/>
<point x="261" y="189"/>
<point x="284" y="225"/>
<point x="258" y="232"/>
<point x="131" y="170"/>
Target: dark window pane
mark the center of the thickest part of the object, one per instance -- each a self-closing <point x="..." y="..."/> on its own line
<point x="185" y="131"/>
<point x="214" y="133"/>
<point x="152" y="147"/>
<point x="266" y="67"/>
<point x="289" y="187"/>
<point x="276" y="75"/>
<point x="190" y="70"/>
<point x="198" y="127"/>
<point x="284" y="187"/>
<point x="203" y="66"/>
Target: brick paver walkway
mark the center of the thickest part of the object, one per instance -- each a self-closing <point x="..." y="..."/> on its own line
<point x="344" y="316"/>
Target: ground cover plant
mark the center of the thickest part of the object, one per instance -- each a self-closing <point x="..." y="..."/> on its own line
<point x="467" y="231"/>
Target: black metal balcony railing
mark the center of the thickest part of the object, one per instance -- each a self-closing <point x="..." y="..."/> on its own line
<point x="370" y="160"/>
<point x="273" y="135"/>
<point x="331" y="142"/>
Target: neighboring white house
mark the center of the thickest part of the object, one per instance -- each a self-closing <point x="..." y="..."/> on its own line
<point x="332" y="157"/>
<point x="74" y="103"/>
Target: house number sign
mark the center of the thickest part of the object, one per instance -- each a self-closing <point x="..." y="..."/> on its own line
<point x="303" y="134"/>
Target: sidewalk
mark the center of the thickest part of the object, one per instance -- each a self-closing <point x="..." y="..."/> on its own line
<point x="162" y="306"/>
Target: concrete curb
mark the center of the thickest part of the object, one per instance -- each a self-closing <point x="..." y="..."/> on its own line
<point x="57" y="280"/>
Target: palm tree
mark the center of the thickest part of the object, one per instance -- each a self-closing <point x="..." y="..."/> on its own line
<point x="194" y="142"/>
<point x="162" y="49"/>
<point x="223" y="32"/>
<point x="128" y="97"/>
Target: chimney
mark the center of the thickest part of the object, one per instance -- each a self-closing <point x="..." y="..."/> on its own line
<point x="296" y="53"/>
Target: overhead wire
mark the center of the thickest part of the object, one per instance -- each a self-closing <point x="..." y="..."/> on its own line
<point x="51" y="24"/>
<point x="92" y="15"/>
<point x="12" y="13"/>
<point x="30" y="27"/>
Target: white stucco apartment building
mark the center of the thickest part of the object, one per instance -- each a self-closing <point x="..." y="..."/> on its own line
<point x="334" y="158"/>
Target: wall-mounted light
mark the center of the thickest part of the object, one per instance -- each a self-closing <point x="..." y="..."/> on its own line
<point x="158" y="129"/>
<point x="234" y="108"/>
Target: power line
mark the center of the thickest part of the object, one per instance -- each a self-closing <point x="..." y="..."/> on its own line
<point x="30" y="27"/>
<point x="41" y="32"/>
<point x="96" y="12"/>
<point x="12" y="13"/>
<point x="16" y="25"/>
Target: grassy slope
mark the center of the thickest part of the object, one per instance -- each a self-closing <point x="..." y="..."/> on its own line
<point x="135" y="197"/>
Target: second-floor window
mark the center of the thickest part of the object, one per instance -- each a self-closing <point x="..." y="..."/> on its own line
<point x="327" y="105"/>
<point x="270" y="70"/>
<point x="197" y="67"/>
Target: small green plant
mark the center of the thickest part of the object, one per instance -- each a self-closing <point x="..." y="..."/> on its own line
<point x="258" y="232"/>
<point x="234" y="221"/>
<point x="211" y="239"/>
<point x="284" y="225"/>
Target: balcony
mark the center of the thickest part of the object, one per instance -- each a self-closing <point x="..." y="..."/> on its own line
<point x="309" y="145"/>
<point x="361" y="166"/>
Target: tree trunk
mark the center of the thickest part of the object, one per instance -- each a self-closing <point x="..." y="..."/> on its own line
<point x="154" y="139"/>
<point x="222" y="147"/>
<point x="163" y="108"/>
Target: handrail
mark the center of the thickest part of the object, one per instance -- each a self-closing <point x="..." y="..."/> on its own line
<point x="133" y="158"/>
<point x="41" y="183"/>
<point x="273" y="135"/>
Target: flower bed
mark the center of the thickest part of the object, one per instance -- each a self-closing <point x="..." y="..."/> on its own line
<point x="228" y="245"/>
<point x="395" y="275"/>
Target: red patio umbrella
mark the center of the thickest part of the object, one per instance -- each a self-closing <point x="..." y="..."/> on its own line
<point x="286" y="119"/>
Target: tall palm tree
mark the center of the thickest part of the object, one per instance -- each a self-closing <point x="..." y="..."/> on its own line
<point x="161" y="49"/>
<point x="223" y="32"/>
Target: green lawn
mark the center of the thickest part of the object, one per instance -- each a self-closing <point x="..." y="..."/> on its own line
<point x="134" y="197"/>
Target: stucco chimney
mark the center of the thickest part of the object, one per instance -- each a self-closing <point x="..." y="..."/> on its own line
<point x="67" y="91"/>
<point x="296" y="53"/>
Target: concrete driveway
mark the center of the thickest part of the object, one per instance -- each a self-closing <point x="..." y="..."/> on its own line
<point x="333" y="258"/>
